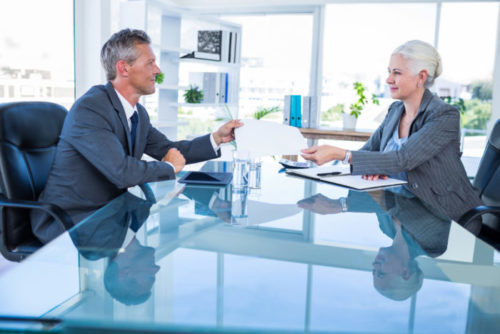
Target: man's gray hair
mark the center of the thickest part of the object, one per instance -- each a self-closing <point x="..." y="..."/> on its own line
<point x="121" y="46"/>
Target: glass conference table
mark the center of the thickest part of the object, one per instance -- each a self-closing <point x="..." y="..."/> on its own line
<point x="294" y="256"/>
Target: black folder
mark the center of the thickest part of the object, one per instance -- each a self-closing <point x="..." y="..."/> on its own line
<point x="206" y="178"/>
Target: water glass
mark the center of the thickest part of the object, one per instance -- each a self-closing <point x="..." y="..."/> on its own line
<point x="239" y="207"/>
<point x="254" y="173"/>
<point x="241" y="164"/>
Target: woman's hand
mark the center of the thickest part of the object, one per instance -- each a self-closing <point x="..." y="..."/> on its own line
<point x="320" y="204"/>
<point x="323" y="153"/>
<point x="374" y="177"/>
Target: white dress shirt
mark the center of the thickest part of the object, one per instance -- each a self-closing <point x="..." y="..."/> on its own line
<point x="129" y="111"/>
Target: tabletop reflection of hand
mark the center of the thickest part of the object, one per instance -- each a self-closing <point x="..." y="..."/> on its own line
<point x="320" y="204"/>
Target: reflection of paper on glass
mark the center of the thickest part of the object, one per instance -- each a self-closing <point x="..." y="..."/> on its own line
<point x="261" y="212"/>
<point x="262" y="138"/>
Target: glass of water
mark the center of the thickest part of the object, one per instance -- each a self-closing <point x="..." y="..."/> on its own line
<point x="239" y="206"/>
<point x="241" y="165"/>
<point x="254" y="172"/>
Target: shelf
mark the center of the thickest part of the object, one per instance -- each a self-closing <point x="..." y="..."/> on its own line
<point x="209" y="62"/>
<point x="335" y="134"/>
<point x="204" y="105"/>
<point x="172" y="87"/>
<point x="174" y="50"/>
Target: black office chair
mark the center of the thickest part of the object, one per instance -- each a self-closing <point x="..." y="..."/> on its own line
<point x="487" y="182"/>
<point x="29" y="132"/>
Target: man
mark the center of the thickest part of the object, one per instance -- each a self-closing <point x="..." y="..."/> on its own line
<point x="107" y="132"/>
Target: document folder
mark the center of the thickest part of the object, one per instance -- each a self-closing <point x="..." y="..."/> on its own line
<point x="340" y="175"/>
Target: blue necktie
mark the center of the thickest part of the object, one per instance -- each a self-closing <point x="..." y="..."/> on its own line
<point x="134" y="119"/>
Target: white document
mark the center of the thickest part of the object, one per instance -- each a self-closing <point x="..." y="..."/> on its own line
<point x="261" y="138"/>
<point x="340" y="175"/>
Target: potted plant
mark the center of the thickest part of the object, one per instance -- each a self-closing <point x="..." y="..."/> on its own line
<point x="357" y="107"/>
<point x="193" y="95"/>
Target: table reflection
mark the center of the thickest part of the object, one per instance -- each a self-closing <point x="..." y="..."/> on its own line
<point x="110" y="233"/>
<point x="414" y="227"/>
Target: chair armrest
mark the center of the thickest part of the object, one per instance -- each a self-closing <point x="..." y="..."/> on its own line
<point x="148" y="192"/>
<point x="56" y="212"/>
<point x="478" y="211"/>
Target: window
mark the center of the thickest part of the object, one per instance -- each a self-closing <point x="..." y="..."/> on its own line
<point x="467" y="47"/>
<point x="362" y="54"/>
<point x="275" y="60"/>
<point x="36" y="51"/>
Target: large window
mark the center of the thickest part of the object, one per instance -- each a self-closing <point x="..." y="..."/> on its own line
<point x="36" y="51"/>
<point x="466" y="40"/>
<point x="275" y="60"/>
<point x="358" y="41"/>
<point x="467" y="47"/>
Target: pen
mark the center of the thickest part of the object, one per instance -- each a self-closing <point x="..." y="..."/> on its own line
<point x="329" y="174"/>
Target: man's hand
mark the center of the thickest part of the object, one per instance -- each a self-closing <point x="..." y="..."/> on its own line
<point x="225" y="133"/>
<point x="175" y="158"/>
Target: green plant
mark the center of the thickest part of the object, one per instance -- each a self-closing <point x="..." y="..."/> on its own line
<point x="476" y="115"/>
<point x="357" y="107"/>
<point x="160" y="77"/>
<point x="482" y="89"/>
<point x="262" y="112"/>
<point x="458" y="103"/>
<point x="193" y="95"/>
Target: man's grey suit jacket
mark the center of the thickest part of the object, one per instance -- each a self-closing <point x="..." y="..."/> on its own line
<point x="430" y="157"/>
<point x="94" y="161"/>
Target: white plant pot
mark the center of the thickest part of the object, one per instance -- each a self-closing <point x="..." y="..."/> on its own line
<point x="349" y="121"/>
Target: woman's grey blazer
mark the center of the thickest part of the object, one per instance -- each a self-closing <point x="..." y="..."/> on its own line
<point x="430" y="157"/>
<point x="95" y="160"/>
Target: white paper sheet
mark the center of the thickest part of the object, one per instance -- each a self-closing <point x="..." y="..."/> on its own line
<point x="261" y="138"/>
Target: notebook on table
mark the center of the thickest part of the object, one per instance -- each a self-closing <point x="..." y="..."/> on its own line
<point x="340" y="175"/>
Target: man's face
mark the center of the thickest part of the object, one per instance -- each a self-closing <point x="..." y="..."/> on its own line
<point x="143" y="72"/>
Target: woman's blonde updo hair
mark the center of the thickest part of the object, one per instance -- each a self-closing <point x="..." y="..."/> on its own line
<point x="421" y="56"/>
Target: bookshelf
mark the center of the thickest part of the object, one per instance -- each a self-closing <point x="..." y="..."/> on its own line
<point x="174" y="33"/>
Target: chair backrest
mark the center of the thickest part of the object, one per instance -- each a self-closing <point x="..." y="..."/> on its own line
<point x="487" y="179"/>
<point x="29" y="133"/>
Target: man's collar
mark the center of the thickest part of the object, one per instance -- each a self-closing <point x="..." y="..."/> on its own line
<point x="127" y="107"/>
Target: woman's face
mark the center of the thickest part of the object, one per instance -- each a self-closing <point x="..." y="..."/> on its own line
<point x="402" y="82"/>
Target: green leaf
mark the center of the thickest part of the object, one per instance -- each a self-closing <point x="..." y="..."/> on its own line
<point x="262" y="112"/>
<point x="159" y="78"/>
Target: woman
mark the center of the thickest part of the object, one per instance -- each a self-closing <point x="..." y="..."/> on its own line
<point x="419" y="139"/>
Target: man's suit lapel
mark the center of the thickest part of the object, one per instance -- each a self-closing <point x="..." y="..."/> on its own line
<point x="115" y="101"/>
